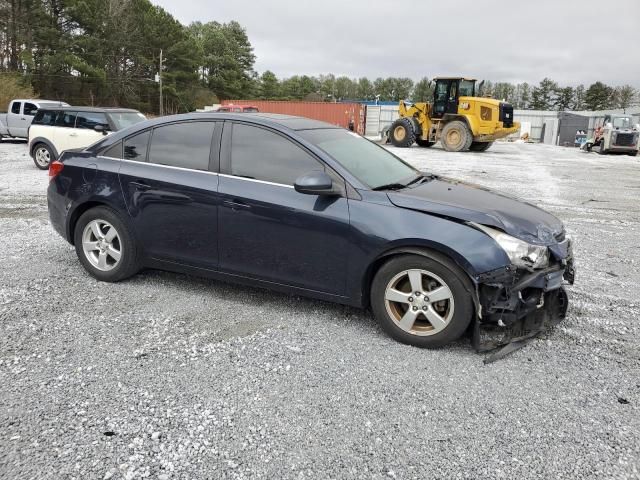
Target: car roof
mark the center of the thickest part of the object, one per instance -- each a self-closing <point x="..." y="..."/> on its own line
<point x="91" y="109"/>
<point x="267" y="119"/>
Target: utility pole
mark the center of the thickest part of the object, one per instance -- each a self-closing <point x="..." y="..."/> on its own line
<point x="160" y="82"/>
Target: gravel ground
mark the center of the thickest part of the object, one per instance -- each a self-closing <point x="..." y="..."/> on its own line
<point x="168" y="376"/>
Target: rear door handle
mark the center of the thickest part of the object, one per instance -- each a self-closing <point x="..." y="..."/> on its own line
<point x="73" y="134"/>
<point x="140" y="186"/>
<point x="235" y="205"/>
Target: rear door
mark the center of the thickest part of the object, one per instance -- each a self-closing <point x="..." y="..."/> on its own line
<point x="64" y="133"/>
<point x="85" y="133"/>
<point x="268" y="230"/>
<point x="169" y="181"/>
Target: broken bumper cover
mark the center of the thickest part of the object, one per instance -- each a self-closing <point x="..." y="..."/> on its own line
<point x="516" y="304"/>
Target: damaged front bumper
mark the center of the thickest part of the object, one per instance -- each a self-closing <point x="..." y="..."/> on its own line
<point x="515" y="305"/>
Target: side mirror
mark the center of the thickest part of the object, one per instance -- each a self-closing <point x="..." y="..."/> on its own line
<point x="315" y="183"/>
<point x="100" y="128"/>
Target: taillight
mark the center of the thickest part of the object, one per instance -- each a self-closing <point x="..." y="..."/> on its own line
<point x="54" y="169"/>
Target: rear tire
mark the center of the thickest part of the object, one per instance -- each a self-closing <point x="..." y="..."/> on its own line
<point x="105" y="245"/>
<point x="480" y="146"/>
<point x="42" y="156"/>
<point x="424" y="143"/>
<point x="456" y="136"/>
<point x="416" y="319"/>
<point x="401" y="133"/>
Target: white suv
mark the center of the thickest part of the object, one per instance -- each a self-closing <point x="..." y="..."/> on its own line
<point x="55" y="130"/>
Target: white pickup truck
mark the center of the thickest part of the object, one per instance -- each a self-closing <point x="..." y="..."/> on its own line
<point x="15" y="123"/>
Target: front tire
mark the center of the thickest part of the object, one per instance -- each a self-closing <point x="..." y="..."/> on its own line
<point x="456" y="136"/>
<point x="480" y="146"/>
<point x="105" y="245"/>
<point x="421" y="301"/>
<point x="42" y="156"/>
<point x="401" y="133"/>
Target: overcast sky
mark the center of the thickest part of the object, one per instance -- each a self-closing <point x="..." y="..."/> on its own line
<point x="570" y="41"/>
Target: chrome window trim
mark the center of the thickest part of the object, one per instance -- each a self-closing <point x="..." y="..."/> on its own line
<point x="255" y="180"/>
<point x="162" y="166"/>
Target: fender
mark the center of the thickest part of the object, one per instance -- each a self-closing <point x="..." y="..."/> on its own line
<point x="47" y="142"/>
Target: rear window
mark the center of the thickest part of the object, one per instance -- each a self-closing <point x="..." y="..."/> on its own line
<point x="45" y="117"/>
<point x="15" y="107"/>
<point x="185" y="145"/>
<point x="135" y="148"/>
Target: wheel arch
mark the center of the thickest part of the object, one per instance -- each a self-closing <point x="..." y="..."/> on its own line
<point x="435" y="251"/>
<point x="34" y="143"/>
<point x="77" y="212"/>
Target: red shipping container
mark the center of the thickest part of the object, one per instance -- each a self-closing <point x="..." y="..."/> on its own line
<point x="335" y="113"/>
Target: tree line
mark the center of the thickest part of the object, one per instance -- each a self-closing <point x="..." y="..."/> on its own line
<point x="547" y="95"/>
<point x="107" y="52"/>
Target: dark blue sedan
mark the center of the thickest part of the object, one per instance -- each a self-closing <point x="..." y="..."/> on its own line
<point x="304" y="207"/>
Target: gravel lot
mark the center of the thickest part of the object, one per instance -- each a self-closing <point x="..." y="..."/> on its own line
<point x="168" y="376"/>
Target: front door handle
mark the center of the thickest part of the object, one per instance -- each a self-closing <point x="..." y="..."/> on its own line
<point x="140" y="186"/>
<point x="73" y="134"/>
<point x="236" y="205"/>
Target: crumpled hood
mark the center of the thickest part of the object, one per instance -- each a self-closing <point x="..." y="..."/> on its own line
<point x="473" y="203"/>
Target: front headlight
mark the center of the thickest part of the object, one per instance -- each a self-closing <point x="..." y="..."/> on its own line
<point x="521" y="253"/>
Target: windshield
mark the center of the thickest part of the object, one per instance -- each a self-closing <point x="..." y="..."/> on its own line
<point x="466" y="88"/>
<point x="621" y="122"/>
<point x="370" y="163"/>
<point x="126" y="119"/>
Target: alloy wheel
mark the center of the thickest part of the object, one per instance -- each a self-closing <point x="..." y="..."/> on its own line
<point x="43" y="157"/>
<point x="419" y="301"/>
<point x="101" y="245"/>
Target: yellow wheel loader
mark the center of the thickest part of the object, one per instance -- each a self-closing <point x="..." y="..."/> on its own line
<point x="456" y="118"/>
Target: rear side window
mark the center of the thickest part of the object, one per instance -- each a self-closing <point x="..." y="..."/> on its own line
<point x="66" y="119"/>
<point x="185" y="145"/>
<point x="15" y="107"/>
<point x="114" y="151"/>
<point x="135" y="148"/>
<point x="45" y="117"/>
<point x="91" y="119"/>
<point x="264" y="155"/>
<point x="30" y="109"/>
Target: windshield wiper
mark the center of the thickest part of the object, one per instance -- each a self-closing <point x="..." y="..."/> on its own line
<point x="390" y="186"/>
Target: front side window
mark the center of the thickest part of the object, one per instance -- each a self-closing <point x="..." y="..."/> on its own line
<point x="135" y="148"/>
<point x="15" y="107"/>
<point x="30" y="109"/>
<point x="622" y="122"/>
<point x="264" y="155"/>
<point x="90" y="119"/>
<point x="370" y="163"/>
<point x="123" y="120"/>
<point x="467" y="88"/>
<point x="66" y="119"/>
<point x="185" y="145"/>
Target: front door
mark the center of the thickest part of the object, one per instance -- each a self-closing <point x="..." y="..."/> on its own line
<point x="84" y="133"/>
<point x="17" y="121"/>
<point x="170" y="187"/>
<point x="268" y="230"/>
